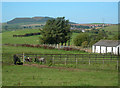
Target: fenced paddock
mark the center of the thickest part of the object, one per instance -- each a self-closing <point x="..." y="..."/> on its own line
<point x="75" y="60"/>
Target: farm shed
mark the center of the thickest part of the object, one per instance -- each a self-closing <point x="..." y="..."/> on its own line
<point x="107" y="46"/>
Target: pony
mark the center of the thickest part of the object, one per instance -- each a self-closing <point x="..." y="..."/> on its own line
<point x="40" y="59"/>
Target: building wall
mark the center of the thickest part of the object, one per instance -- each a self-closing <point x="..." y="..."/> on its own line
<point x="114" y="50"/>
<point x="109" y="49"/>
<point x="97" y="49"/>
<point x="103" y="49"/>
<point x="93" y="50"/>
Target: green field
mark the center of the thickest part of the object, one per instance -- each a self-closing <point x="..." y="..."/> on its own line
<point x="113" y="29"/>
<point x="7" y="37"/>
<point x="33" y="76"/>
<point x="86" y="75"/>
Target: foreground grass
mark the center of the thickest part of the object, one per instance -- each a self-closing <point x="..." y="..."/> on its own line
<point x="33" y="76"/>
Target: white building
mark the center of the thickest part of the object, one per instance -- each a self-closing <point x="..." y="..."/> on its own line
<point x="107" y="46"/>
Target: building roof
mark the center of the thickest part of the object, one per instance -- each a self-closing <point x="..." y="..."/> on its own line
<point x="109" y="43"/>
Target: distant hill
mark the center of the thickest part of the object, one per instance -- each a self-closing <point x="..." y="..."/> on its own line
<point x="33" y="20"/>
<point x="26" y="23"/>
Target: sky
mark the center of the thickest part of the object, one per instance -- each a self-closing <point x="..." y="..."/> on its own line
<point x="79" y="12"/>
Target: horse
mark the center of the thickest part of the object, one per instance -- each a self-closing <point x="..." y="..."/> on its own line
<point x="17" y="59"/>
<point x="28" y="59"/>
<point x="40" y="59"/>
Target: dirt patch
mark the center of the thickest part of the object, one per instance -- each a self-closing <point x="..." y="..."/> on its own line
<point x="60" y="68"/>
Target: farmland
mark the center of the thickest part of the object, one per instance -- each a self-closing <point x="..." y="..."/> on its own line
<point x="113" y="29"/>
<point x="8" y="37"/>
<point x="84" y="75"/>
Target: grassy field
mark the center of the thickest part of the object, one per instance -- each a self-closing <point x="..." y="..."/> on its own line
<point x="7" y="37"/>
<point x="33" y="76"/>
<point x="113" y="29"/>
<point x="85" y="75"/>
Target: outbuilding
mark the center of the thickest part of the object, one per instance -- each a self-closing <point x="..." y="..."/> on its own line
<point x="107" y="46"/>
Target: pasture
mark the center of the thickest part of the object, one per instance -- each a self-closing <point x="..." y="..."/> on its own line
<point x="59" y="75"/>
<point x="7" y="37"/>
<point x="98" y="74"/>
<point x="113" y="29"/>
<point x="36" y="76"/>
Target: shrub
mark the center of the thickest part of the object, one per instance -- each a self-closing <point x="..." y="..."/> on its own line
<point x="79" y="39"/>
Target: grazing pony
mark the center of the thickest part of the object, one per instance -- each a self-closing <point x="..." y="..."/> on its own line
<point x="40" y="59"/>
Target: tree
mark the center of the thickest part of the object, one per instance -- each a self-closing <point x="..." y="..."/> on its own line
<point x="79" y="39"/>
<point x="56" y="31"/>
<point x="85" y="44"/>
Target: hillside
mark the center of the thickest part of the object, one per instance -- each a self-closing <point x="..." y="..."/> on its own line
<point x="33" y="20"/>
<point x="111" y="30"/>
<point x="26" y="23"/>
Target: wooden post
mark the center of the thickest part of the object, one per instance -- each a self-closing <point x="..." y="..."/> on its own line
<point x="112" y="50"/>
<point x="23" y="57"/>
<point x="89" y="59"/>
<point x="76" y="62"/>
<point x="95" y="49"/>
<point x="103" y="59"/>
<point x="106" y="49"/>
<point x="118" y="60"/>
<point x="117" y="63"/>
<point x="60" y="59"/>
<point x="65" y="61"/>
<point x="100" y="49"/>
<point x="53" y="60"/>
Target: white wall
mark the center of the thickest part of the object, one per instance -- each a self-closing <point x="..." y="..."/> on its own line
<point x="103" y="49"/>
<point x="97" y="49"/>
<point x="114" y="50"/>
<point x="109" y="49"/>
<point x="93" y="49"/>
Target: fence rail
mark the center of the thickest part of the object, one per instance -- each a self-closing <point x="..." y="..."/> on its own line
<point x="75" y="59"/>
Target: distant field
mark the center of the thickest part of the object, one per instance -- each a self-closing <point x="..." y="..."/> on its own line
<point x="7" y="37"/>
<point x="113" y="29"/>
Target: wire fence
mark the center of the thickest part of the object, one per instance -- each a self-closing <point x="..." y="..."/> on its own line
<point x="75" y="59"/>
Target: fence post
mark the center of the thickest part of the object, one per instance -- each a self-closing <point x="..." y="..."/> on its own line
<point x="53" y="60"/>
<point x="23" y="57"/>
<point x="118" y="62"/>
<point x="89" y="59"/>
<point x="65" y="61"/>
<point x="103" y="59"/>
<point x="76" y="60"/>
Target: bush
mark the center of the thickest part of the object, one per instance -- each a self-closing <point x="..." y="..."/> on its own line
<point x="79" y="39"/>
